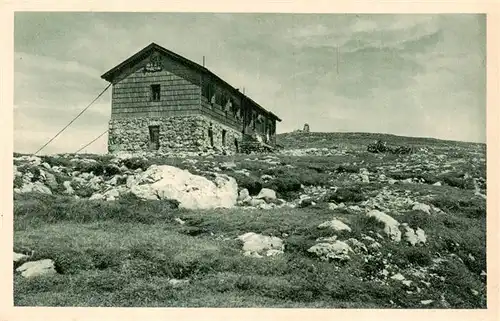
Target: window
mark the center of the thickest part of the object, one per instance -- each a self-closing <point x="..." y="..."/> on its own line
<point x="155" y="92"/>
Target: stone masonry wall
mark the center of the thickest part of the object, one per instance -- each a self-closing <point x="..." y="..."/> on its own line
<point x="176" y="133"/>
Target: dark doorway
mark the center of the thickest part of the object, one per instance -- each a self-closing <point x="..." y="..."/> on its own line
<point x="211" y="136"/>
<point x="236" y="145"/>
<point x="223" y="137"/>
<point x="154" y="137"/>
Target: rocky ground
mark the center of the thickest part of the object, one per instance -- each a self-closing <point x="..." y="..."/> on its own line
<point x="321" y="223"/>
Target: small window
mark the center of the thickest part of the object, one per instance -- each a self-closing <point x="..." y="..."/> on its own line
<point x="155" y="92"/>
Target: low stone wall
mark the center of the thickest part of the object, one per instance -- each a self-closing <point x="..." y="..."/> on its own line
<point x="176" y="133"/>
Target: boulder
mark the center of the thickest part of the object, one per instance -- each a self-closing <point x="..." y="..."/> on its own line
<point x="356" y="245"/>
<point x="335" y="225"/>
<point x="258" y="245"/>
<point x="37" y="268"/>
<point x="34" y="160"/>
<point x="332" y="206"/>
<point x="19" y="257"/>
<point x="398" y="277"/>
<point x="306" y="202"/>
<point x="191" y="191"/>
<point x="255" y="202"/>
<point x="50" y="179"/>
<point x="96" y="196"/>
<point x="421" y="207"/>
<point x="266" y="177"/>
<point x="111" y="195"/>
<point x="266" y="194"/>
<point x="410" y="235"/>
<point x="177" y="283"/>
<point x="421" y="238"/>
<point x="37" y="187"/>
<point x="179" y="220"/>
<point x="336" y="250"/>
<point x="391" y="226"/>
<point x="69" y="190"/>
<point x="244" y="195"/>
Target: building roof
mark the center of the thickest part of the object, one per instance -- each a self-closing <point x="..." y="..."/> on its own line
<point x="112" y="73"/>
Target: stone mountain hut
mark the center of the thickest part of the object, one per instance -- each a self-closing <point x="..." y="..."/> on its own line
<point x="162" y="101"/>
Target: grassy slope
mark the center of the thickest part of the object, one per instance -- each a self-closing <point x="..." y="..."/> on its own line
<point x="123" y="253"/>
<point x="329" y="140"/>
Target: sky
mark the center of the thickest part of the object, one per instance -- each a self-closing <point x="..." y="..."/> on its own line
<point x="412" y="75"/>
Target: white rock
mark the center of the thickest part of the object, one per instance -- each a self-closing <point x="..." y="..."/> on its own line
<point x="266" y="177"/>
<point x="421" y="236"/>
<point x="407" y="283"/>
<point x="191" y="191"/>
<point x="180" y="221"/>
<point x="337" y="250"/>
<point x="96" y="196"/>
<point x="19" y="257"/>
<point x="421" y="207"/>
<point x="69" y="190"/>
<point x="113" y="180"/>
<point x="228" y="165"/>
<point x="336" y="225"/>
<point x="51" y="180"/>
<point x="255" y="202"/>
<point x="368" y="238"/>
<point x="357" y="245"/>
<point x="273" y="252"/>
<point x="252" y="254"/>
<point x="37" y="268"/>
<point x="266" y="206"/>
<point x="267" y="194"/>
<point x="37" y="187"/>
<point x="244" y="195"/>
<point x="437" y="184"/>
<point x="111" y="194"/>
<point x="414" y="237"/>
<point x="426" y="302"/>
<point x="327" y="239"/>
<point x="34" y="160"/>
<point x="177" y="282"/>
<point x="391" y="226"/>
<point x="257" y="244"/>
<point x="332" y="206"/>
<point x="398" y="277"/>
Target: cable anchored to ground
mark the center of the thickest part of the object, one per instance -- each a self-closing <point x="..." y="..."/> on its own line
<point x="71" y="122"/>
<point x="91" y="142"/>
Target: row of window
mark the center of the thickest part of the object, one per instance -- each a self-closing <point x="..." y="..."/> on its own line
<point x="255" y="121"/>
